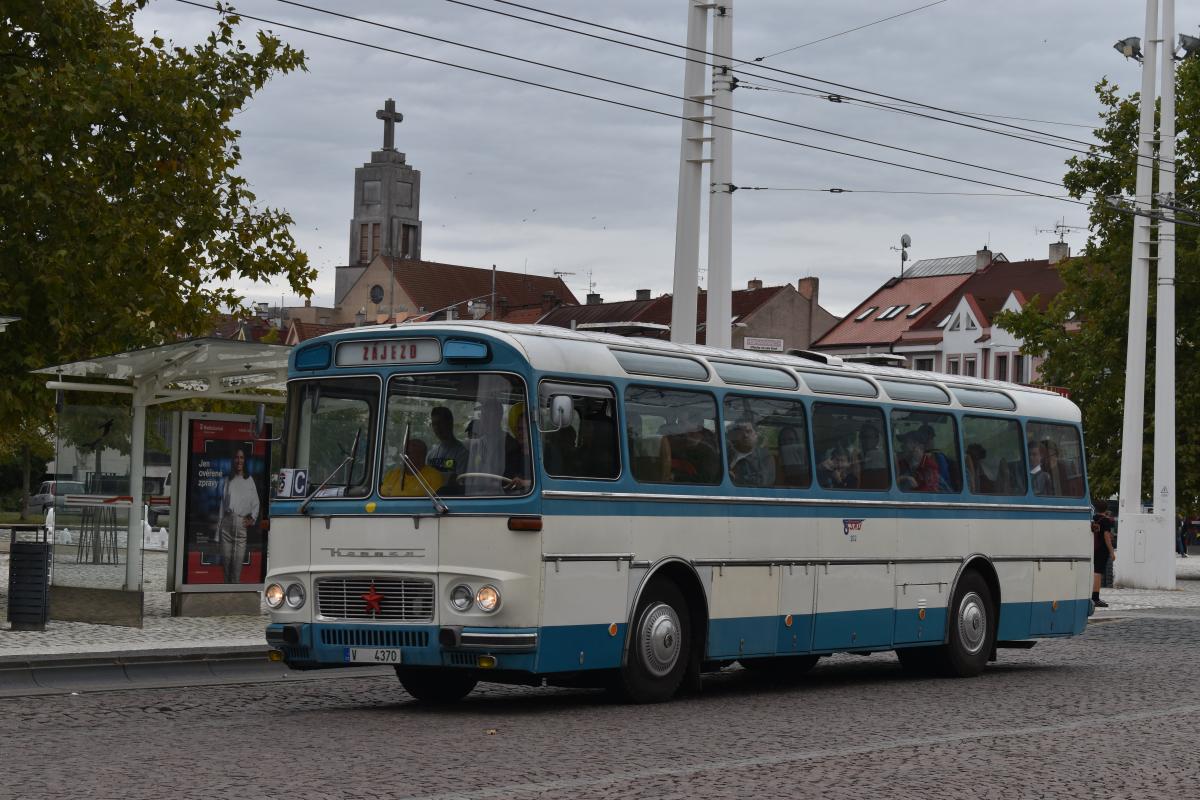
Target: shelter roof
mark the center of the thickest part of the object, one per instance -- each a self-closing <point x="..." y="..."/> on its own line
<point x="202" y="367"/>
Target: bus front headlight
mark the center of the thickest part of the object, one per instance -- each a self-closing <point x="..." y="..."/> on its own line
<point x="295" y="595"/>
<point x="488" y="599"/>
<point x="274" y="595"/>
<point x="461" y="597"/>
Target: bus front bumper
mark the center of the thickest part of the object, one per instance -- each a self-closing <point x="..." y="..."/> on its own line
<point x="324" y="645"/>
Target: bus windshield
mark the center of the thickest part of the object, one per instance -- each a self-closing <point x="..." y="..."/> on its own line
<point x="467" y="434"/>
<point x="331" y="433"/>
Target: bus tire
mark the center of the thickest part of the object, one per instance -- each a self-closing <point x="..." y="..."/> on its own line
<point x="972" y="629"/>
<point x="658" y="647"/>
<point x="435" y="686"/>
<point x="780" y="667"/>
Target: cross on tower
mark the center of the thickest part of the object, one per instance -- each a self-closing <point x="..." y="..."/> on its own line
<point x="390" y="117"/>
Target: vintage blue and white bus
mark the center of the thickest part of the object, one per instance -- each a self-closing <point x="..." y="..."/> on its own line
<point x="474" y="501"/>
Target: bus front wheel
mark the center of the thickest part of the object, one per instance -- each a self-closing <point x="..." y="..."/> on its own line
<point x="436" y="687"/>
<point x="659" y="646"/>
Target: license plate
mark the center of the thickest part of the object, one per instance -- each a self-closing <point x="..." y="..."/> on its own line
<point x="359" y="655"/>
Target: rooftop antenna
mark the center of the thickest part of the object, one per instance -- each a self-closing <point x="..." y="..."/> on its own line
<point x="905" y="243"/>
<point x="591" y="283"/>
<point x="1060" y="229"/>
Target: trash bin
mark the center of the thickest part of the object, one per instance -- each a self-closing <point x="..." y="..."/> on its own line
<point x="29" y="582"/>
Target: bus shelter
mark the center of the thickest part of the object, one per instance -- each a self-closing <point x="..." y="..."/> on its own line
<point x="204" y="369"/>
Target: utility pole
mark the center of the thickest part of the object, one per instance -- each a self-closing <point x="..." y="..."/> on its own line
<point x="1146" y="557"/>
<point x="720" y="200"/>
<point x="691" y="167"/>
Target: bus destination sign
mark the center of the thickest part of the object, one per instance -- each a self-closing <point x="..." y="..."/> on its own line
<point x="373" y="352"/>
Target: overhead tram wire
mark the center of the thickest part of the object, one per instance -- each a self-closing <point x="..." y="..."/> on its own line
<point x="838" y="190"/>
<point x="824" y="92"/>
<point x="657" y="112"/>
<point x="668" y="95"/>
<point x="760" y="59"/>
<point x="898" y="107"/>
<point x="631" y="106"/>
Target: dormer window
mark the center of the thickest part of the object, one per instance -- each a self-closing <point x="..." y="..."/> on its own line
<point x="918" y="310"/>
<point x="866" y="313"/>
<point x="942" y="324"/>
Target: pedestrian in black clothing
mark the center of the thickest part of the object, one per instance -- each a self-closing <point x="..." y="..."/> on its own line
<point x="1102" y="549"/>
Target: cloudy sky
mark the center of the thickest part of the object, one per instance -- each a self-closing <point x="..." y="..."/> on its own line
<point x="526" y="178"/>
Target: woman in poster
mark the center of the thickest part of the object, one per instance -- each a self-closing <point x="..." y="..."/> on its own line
<point x="239" y="512"/>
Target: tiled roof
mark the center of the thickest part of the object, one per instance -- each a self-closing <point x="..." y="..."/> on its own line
<point x="990" y="287"/>
<point x="909" y="292"/>
<point x="433" y="286"/>
<point x="308" y="330"/>
<point x="656" y="311"/>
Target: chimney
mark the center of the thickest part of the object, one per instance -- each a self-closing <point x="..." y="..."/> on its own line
<point x="982" y="258"/>
<point x="1059" y="251"/>
<point x="754" y="284"/>
<point x="308" y="302"/>
<point x="549" y="301"/>
<point x="594" y="299"/>
<point x="809" y="288"/>
<point x="643" y="294"/>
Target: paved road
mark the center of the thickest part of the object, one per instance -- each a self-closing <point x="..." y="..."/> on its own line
<point x="1114" y="713"/>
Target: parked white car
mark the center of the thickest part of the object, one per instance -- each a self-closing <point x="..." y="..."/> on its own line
<point x="50" y="491"/>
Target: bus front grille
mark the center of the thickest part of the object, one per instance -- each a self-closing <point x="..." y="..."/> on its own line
<point x="390" y="599"/>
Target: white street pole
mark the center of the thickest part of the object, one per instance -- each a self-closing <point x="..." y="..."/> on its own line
<point x="691" y="166"/>
<point x="1163" y="489"/>
<point x="137" y="470"/>
<point x="1133" y="526"/>
<point x="720" y="200"/>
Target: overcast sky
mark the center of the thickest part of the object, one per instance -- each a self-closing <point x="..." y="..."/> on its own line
<point x="525" y="178"/>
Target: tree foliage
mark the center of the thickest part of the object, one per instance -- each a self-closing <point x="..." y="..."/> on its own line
<point x="1084" y="331"/>
<point x="123" y="221"/>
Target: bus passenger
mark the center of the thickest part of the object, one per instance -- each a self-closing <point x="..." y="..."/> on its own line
<point x="835" y="472"/>
<point x="693" y="451"/>
<point x="793" y="456"/>
<point x="916" y="469"/>
<point x="977" y="477"/>
<point x="1043" y="484"/>
<point x="749" y="464"/>
<point x="399" y="483"/>
<point x="871" y="465"/>
<point x="448" y="454"/>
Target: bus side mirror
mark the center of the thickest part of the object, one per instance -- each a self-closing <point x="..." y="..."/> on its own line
<point x="562" y="409"/>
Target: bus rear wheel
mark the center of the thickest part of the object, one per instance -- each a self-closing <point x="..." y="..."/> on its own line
<point x="435" y="686"/>
<point x="658" y="647"/>
<point x="972" y="630"/>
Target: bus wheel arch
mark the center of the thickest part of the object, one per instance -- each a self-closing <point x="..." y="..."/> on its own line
<point x="987" y="570"/>
<point x="972" y="620"/>
<point x="681" y="580"/>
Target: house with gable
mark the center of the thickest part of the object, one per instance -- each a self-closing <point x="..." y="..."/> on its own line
<point x="878" y="323"/>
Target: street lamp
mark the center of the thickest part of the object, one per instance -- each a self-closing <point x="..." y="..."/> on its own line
<point x="1130" y="48"/>
<point x="1190" y="45"/>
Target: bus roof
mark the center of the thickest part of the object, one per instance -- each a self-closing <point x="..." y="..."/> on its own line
<point x="553" y="349"/>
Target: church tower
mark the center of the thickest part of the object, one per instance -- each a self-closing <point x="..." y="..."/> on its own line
<point x="387" y="203"/>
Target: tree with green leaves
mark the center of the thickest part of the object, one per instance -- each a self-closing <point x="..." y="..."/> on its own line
<point x="1084" y="331"/>
<point x="123" y="221"/>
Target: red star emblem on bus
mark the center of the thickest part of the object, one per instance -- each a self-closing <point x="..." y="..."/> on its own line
<point x="373" y="599"/>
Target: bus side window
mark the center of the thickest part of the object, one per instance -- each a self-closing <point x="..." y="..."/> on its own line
<point x="926" y="451"/>
<point x="849" y="450"/>
<point x="766" y="442"/>
<point x="994" y="457"/>
<point x="588" y="447"/>
<point x="672" y="435"/>
<point x="1055" y="460"/>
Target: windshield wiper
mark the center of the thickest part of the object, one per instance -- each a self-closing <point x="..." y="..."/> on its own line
<point x="410" y="466"/>
<point x="347" y="460"/>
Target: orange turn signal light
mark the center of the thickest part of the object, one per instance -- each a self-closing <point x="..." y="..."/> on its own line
<point x="524" y="523"/>
<point x="274" y="655"/>
<point x="788" y="620"/>
<point x="612" y="629"/>
<point x="486" y="662"/>
<point x="920" y="613"/>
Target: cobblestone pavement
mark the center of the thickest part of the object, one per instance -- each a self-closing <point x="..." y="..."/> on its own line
<point x="1108" y="714"/>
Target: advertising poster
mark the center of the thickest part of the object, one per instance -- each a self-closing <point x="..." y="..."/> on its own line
<point x="225" y="516"/>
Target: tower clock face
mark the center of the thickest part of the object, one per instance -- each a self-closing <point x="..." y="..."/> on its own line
<point x="377" y="294"/>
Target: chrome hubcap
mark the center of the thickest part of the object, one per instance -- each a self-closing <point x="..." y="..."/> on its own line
<point x="659" y="639"/>
<point x="972" y="623"/>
